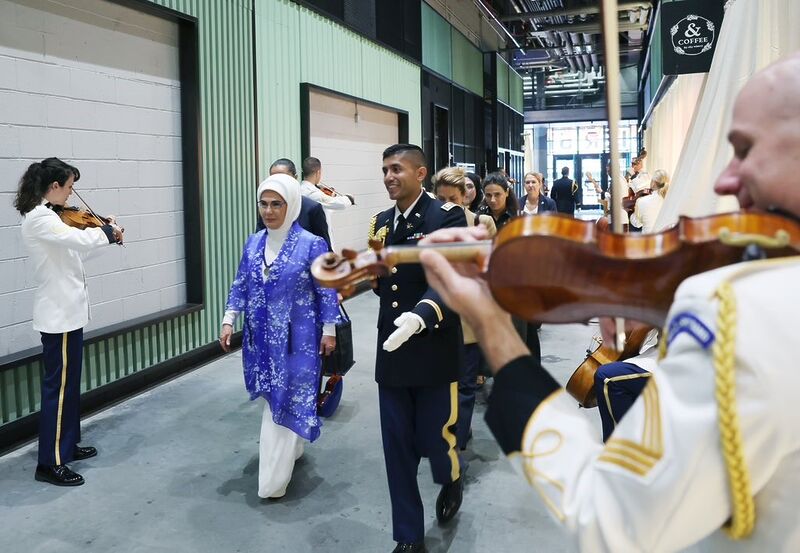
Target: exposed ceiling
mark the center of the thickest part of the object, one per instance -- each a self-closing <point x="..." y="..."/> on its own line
<point x="557" y="44"/>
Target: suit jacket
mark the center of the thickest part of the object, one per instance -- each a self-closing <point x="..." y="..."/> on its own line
<point x="545" y="204"/>
<point x="564" y="195"/>
<point x="312" y="218"/>
<point x="433" y="356"/>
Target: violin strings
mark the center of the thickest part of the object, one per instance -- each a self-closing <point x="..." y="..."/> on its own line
<point x="87" y="205"/>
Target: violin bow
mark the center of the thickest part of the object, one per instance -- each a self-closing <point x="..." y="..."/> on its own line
<point x="92" y="212"/>
<point x="87" y="206"/>
<point x="610" y="26"/>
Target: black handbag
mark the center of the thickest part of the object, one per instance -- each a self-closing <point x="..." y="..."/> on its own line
<point x="340" y="361"/>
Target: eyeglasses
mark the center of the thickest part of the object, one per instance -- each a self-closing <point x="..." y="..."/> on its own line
<point x="274" y="205"/>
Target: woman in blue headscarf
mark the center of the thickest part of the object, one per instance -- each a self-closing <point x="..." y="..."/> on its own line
<point x="289" y="320"/>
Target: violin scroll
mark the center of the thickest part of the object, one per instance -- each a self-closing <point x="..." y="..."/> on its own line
<point x="348" y="269"/>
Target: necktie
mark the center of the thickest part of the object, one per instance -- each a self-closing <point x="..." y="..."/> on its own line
<point x="401" y="221"/>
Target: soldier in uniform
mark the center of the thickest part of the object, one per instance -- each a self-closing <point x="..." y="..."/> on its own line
<point x="419" y="354"/>
<point x="60" y="310"/>
<point x="709" y="454"/>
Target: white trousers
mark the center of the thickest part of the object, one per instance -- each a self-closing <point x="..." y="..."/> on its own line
<point x="278" y="450"/>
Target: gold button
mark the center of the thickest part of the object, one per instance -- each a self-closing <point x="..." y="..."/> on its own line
<point x="394" y="287"/>
<point x="394" y="304"/>
<point x="394" y="270"/>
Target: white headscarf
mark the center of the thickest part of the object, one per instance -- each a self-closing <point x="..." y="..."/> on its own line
<point x="289" y="189"/>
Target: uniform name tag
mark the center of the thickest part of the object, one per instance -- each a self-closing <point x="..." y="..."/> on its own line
<point x="687" y="323"/>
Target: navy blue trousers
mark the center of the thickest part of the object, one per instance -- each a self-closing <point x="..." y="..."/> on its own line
<point x="417" y="422"/>
<point x="59" y="416"/>
<point x="617" y="386"/>
<point x="467" y="387"/>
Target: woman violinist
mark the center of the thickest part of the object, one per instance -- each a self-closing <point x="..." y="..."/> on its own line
<point x="60" y="310"/>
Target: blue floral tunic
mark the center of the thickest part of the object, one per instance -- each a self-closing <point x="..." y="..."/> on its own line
<point x="283" y="318"/>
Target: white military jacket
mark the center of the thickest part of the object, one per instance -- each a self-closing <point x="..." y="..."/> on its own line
<point x="328" y="202"/>
<point x="61" y="302"/>
<point x="668" y="478"/>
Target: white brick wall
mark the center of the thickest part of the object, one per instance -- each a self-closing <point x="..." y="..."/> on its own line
<point x="96" y="84"/>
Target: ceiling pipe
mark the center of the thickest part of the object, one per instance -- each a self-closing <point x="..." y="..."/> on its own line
<point x="587" y="10"/>
<point x="486" y="11"/>
<point x="594" y="28"/>
<point x="570" y="92"/>
<point x="572" y="65"/>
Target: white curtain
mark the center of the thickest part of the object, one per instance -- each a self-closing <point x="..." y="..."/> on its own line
<point x="754" y="34"/>
<point x="670" y="122"/>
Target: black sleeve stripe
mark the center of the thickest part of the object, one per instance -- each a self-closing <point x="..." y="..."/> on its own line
<point x="518" y="390"/>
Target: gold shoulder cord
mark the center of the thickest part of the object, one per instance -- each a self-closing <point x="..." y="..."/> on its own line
<point x="372" y="223"/>
<point x="743" y="513"/>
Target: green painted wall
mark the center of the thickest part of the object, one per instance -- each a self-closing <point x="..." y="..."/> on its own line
<point x="228" y="174"/>
<point x="502" y="80"/>
<point x="296" y="45"/>
<point x="467" y="63"/>
<point x="449" y="53"/>
<point x="436" y="42"/>
<point x="509" y="85"/>
<point x="515" y="99"/>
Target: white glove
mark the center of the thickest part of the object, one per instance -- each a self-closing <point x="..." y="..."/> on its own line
<point x="407" y="324"/>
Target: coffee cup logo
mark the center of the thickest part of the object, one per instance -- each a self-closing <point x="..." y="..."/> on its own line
<point x="693" y="35"/>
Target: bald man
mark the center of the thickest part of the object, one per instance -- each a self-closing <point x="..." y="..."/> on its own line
<point x="709" y="454"/>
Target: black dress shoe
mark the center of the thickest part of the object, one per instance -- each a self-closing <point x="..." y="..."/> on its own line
<point x="82" y="453"/>
<point x="418" y="547"/>
<point x="60" y="475"/>
<point x="449" y="500"/>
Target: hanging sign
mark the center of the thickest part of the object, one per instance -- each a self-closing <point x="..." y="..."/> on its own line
<point x="689" y="34"/>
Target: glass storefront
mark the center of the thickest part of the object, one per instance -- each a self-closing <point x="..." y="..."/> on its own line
<point x="583" y="149"/>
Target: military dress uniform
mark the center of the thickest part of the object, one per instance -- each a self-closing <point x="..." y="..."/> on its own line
<point x="708" y="456"/>
<point x="418" y="382"/>
<point x="60" y="311"/>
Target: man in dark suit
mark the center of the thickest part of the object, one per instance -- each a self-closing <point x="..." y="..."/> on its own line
<point x="419" y="354"/>
<point x="565" y="193"/>
<point x="312" y="215"/>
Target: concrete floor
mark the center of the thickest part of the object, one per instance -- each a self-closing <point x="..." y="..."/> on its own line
<point x="177" y="472"/>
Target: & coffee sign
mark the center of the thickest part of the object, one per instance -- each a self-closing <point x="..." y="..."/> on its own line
<point x="689" y="31"/>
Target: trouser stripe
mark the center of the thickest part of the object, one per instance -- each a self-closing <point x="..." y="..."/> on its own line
<point x="449" y="436"/>
<point x="61" y="396"/>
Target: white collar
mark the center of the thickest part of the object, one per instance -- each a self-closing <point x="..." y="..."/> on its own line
<point x="408" y="211"/>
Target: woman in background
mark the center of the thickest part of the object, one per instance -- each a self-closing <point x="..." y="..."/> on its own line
<point x="289" y="320"/>
<point x="449" y="186"/>
<point x="474" y="196"/>
<point x="647" y="208"/>
<point x="535" y="201"/>
<point x="499" y="199"/>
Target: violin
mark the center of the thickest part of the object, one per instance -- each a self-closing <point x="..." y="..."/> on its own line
<point x="82" y="219"/>
<point x="328" y="190"/>
<point x="585" y="271"/>
<point x="581" y="384"/>
<point x="331" y="191"/>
